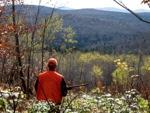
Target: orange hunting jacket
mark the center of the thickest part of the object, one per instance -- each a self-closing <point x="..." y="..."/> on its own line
<point x="50" y="86"/>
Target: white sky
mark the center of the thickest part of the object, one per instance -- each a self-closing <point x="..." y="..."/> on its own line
<point x="78" y="4"/>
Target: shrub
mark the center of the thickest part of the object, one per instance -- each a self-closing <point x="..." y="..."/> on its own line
<point x="43" y="107"/>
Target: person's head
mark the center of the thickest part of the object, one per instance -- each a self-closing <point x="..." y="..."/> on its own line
<point x="52" y="64"/>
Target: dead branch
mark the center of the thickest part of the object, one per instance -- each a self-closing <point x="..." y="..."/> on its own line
<point x="132" y="12"/>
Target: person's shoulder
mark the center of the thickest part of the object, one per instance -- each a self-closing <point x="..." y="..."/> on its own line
<point x="59" y="74"/>
<point x="42" y="73"/>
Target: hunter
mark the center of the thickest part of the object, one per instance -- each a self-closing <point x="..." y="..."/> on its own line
<point x="50" y="85"/>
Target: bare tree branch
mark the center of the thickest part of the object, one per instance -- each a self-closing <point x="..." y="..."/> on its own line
<point x="136" y="15"/>
<point x="17" y="48"/>
<point x="32" y="48"/>
<point x="146" y="2"/>
<point x="47" y="21"/>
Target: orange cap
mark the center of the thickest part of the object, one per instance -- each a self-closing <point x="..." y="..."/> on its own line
<point x="52" y="61"/>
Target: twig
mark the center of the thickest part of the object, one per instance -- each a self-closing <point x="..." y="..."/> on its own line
<point x="47" y="22"/>
<point x="133" y="13"/>
<point x="70" y="102"/>
<point x="32" y="48"/>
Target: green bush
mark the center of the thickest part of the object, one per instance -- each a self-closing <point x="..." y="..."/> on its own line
<point x="43" y="107"/>
<point x="2" y="104"/>
<point x="130" y="102"/>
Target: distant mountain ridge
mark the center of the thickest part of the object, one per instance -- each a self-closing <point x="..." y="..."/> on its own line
<point x="123" y="10"/>
<point x="113" y="9"/>
<point x="105" y="31"/>
<point x="142" y="10"/>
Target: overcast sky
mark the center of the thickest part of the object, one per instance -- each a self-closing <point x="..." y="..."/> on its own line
<point x="78" y="4"/>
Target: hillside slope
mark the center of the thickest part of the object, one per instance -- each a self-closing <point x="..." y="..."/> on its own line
<point x="104" y="31"/>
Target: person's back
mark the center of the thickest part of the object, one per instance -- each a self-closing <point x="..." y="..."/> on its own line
<point x="51" y="86"/>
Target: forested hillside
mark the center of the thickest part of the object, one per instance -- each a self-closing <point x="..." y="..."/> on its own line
<point x="104" y="31"/>
<point x="73" y="61"/>
<point x="108" y="31"/>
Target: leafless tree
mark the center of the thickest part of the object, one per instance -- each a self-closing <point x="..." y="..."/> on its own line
<point x="18" y="55"/>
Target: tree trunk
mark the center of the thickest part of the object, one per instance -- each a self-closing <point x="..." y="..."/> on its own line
<point x="17" y="49"/>
<point x="42" y="49"/>
<point x="31" y="51"/>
